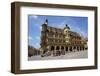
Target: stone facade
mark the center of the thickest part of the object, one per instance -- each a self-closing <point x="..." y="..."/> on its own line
<point x="61" y="41"/>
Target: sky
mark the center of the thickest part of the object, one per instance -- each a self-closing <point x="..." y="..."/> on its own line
<point x="76" y="24"/>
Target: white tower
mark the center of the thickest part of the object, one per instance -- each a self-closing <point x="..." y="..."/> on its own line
<point x="67" y="34"/>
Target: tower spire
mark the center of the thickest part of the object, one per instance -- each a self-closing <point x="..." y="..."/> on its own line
<point x="46" y="21"/>
<point x="67" y="26"/>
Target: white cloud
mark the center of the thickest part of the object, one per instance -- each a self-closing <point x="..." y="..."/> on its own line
<point x="40" y="28"/>
<point x="81" y="32"/>
<point x="61" y="25"/>
<point x="37" y="45"/>
<point x="78" y="30"/>
<point x="30" y="38"/>
<point x="35" y="17"/>
<point x="38" y="38"/>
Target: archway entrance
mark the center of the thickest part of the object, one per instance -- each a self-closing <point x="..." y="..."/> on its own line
<point x="52" y="48"/>
<point x="77" y="48"/>
<point x="67" y="49"/>
<point x="62" y="48"/>
<point x="57" y="48"/>
<point x="74" y="48"/>
<point x="70" y="48"/>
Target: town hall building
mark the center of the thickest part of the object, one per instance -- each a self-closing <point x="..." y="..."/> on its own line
<point x="64" y="40"/>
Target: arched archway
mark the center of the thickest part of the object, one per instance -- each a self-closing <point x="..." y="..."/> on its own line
<point x="77" y="48"/>
<point x="57" y="48"/>
<point x="67" y="49"/>
<point x="70" y="48"/>
<point x="74" y="48"/>
<point x="62" y="48"/>
<point x="52" y="48"/>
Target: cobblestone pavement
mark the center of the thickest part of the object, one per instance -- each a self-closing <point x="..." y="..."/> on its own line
<point x="70" y="55"/>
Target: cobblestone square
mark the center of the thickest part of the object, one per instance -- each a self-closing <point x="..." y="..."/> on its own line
<point x="69" y="55"/>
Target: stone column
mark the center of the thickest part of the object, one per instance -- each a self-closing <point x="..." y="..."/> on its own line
<point x="65" y="49"/>
<point x="59" y="48"/>
<point x="79" y="48"/>
<point x="68" y="48"/>
<point x="72" y="48"/>
<point x="48" y="47"/>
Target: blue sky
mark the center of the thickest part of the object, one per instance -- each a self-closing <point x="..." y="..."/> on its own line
<point x="77" y="24"/>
